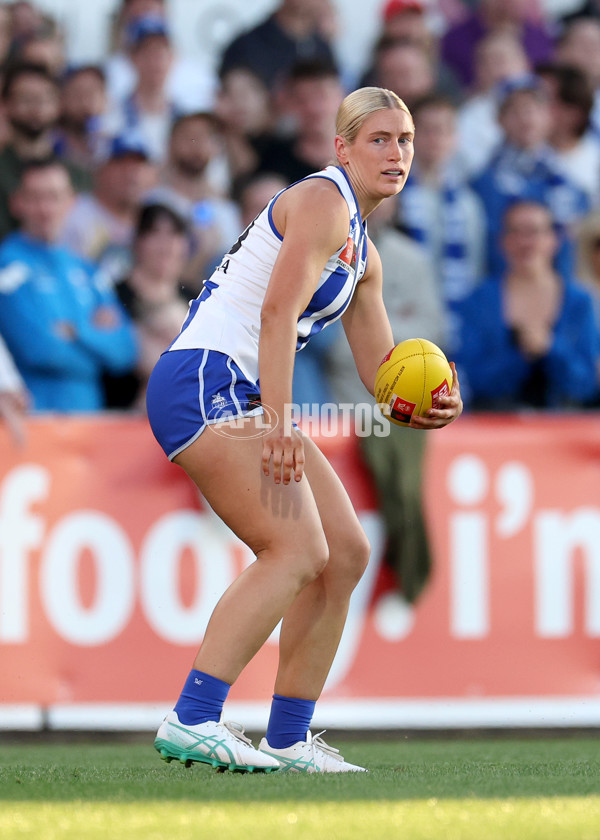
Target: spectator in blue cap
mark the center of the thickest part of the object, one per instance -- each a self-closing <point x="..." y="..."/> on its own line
<point x="192" y="81"/>
<point x="146" y="26"/>
<point x="100" y="224"/>
<point x="524" y="167"/>
<point x="149" y="110"/>
<point x="124" y="145"/>
<point x="498" y="56"/>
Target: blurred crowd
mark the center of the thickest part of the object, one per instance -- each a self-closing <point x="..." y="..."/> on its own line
<point x="123" y="183"/>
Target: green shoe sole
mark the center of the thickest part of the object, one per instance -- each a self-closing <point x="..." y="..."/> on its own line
<point x="171" y="752"/>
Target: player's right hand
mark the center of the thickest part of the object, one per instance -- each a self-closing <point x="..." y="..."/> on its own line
<point x="286" y="451"/>
<point x="450" y="407"/>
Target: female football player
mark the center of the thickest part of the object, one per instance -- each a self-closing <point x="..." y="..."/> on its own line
<point x="305" y="261"/>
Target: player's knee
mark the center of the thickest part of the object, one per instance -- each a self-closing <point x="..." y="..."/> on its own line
<point x="315" y="559"/>
<point x="358" y="555"/>
<point x="350" y="555"/>
<point x="304" y="559"/>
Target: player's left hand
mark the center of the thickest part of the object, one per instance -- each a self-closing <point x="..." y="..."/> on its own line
<point x="450" y="408"/>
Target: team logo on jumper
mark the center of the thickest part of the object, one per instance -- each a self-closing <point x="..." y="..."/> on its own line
<point x="347" y="258"/>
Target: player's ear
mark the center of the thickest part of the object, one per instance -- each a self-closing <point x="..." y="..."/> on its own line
<point x="341" y="148"/>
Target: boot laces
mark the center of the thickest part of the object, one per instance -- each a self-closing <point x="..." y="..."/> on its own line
<point x="318" y="743"/>
<point x="237" y="730"/>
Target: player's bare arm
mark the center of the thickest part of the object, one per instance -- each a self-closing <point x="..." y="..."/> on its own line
<point x="370" y="337"/>
<point x="313" y="221"/>
<point x="366" y="323"/>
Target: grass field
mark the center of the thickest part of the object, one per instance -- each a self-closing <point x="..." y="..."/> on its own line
<point x="496" y="789"/>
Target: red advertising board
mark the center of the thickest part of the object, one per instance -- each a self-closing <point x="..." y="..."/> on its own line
<point x="110" y="565"/>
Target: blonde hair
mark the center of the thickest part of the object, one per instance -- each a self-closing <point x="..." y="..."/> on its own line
<point x="360" y="104"/>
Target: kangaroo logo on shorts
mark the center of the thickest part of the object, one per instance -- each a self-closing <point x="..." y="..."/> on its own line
<point x="218" y="401"/>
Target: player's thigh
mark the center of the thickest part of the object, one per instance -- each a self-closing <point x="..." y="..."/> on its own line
<point x="266" y="516"/>
<point x="348" y="545"/>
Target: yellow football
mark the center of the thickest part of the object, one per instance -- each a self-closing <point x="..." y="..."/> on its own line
<point x="411" y="379"/>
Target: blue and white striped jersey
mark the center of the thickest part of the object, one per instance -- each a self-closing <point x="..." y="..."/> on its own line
<point x="226" y="314"/>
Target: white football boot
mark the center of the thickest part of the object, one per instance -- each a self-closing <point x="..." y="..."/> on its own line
<point x="223" y="745"/>
<point x="310" y="756"/>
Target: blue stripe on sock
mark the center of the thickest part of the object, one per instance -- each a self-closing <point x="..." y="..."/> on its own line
<point x="289" y="721"/>
<point x="201" y="699"/>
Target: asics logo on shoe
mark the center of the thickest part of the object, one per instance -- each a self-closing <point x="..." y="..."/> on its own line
<point x="300" y="765"/>
<point x="220" y="744"/>
<point x="310" y="756"/>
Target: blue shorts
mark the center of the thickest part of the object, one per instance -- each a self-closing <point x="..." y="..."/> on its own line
<point x="190" y="389"/>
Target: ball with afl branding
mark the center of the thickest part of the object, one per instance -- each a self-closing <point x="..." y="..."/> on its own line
<point x="411" y="379"/>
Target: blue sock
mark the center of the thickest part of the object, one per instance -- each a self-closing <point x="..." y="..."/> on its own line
<point x="289" y="721"/>
<point x="201" y="699"/>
